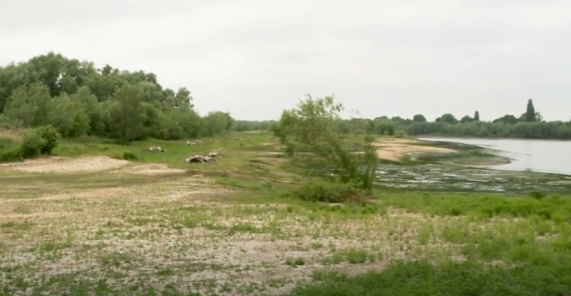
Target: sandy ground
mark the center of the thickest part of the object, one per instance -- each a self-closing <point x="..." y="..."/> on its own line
<point x="394" y="149"/>
<point x="89" y="165"/>
<point x="66" y="165"/>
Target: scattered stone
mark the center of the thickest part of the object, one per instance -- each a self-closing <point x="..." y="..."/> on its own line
<point x="243" y="139"/>
<point x="155" y="149"/>
<point x="210" y="157"/>
<point x="195" y="142"/>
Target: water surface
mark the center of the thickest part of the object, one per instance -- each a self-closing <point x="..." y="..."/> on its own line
<point x="545" y="156"/>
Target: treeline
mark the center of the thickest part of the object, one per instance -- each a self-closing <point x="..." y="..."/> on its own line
<point x="77" y="99"/>
<point x="529" y="125"/>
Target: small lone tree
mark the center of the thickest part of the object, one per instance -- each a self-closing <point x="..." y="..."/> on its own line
<point x="315" y="127"/>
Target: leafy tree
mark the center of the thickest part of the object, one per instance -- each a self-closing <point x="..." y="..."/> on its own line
<point x="314" y="127"/>
<point x="68" y="116"/>
<point x="466" y="119"/>
<point x="508" y="119"/>
<point x="419" y="118"/>
<point x="89" y="104"/>
<point x="530" y="112"/>
<point x="384" y="127"/>
<point x="447" y="118"/>
<point x="28" y="106"/>
<point x="127" y="114"/>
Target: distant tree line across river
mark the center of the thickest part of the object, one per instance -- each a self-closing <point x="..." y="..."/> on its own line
<point x="529" y="125"/>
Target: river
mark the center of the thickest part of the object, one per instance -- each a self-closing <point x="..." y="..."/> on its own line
<point x="545" y="156"/>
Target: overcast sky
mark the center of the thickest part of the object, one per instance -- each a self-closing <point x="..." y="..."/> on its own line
<point x="256" y="58"/>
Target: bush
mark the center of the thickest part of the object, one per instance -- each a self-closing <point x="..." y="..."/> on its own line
<point x="32" y="145"/>
<point x="319" y="190"/>
<point x="9" y="151"/>
<point x="39" y="141"/>
<point x="5" y="143"/>
<point x="400" y="134"/>
<point x="129" y="156"/>
<point x="50" y="135"/>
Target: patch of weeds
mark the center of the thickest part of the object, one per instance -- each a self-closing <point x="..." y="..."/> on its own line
<point x="165" y="272"/>
<point x="324" y="274"/>
<point x="115" y="259"/>
<point x="141" y="221"/>
<point x="52" y="246"/>
<point x="424" y="234"/>
<point x="294" y="262"/>
<point x="320" y="190"/>
<point x="454" y="235"/>
<point x="244" y="227"/>
<point x="12" y="226"/>
<point x="451" y="278"/>
<point x="213" y="226"/>
<point x="316" y="246"/>
<point x="353" y="256"/>
<point x="127" y="155"/>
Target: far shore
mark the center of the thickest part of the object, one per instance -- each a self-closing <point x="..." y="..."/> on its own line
<point x="488" y="138"/>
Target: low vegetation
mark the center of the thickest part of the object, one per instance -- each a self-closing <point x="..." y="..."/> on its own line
<point x="299" y="209"/>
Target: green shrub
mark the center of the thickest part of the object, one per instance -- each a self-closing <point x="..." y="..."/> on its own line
<point x="32" y="144"/>
<point x="6" y="143"/>
<point x="319" y="190"/>
<point x="400" y="134"/>
<point x="39" y="141"/>
<point x="9" y="150"/>
<point x="50" y="135"/>
<point x="13" y="154"/>
<point x="129" y="155"/>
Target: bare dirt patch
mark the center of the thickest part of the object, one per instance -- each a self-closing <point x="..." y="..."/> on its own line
<point x="66" y="165"/>
<point x="154" y="169"/>
<point x="394" y="149"/>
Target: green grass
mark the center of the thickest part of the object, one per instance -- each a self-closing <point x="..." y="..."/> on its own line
<point x="423" y="278"/>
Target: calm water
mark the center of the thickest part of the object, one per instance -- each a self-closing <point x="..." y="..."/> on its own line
<point x="535" y="155"/>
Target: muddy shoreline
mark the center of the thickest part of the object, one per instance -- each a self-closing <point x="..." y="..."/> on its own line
<point x="470" y="168"/>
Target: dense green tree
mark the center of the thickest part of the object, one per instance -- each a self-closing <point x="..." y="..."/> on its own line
<point x="530" y="112"/>
<point x="77" y="98"/>
<point x="28" y="106"/>
<point x="419" y="118"/>
<point x="447" y="118"/>
<point x="127" y="114"/>
<point x="68" y="116"/>
<point x="508" y="119"/>
<point x="466" y="118"/>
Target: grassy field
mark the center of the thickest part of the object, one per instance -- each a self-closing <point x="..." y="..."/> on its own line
<point x="94" y="224"/>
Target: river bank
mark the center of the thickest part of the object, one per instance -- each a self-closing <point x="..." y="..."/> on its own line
<point x="435" y="164"/>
